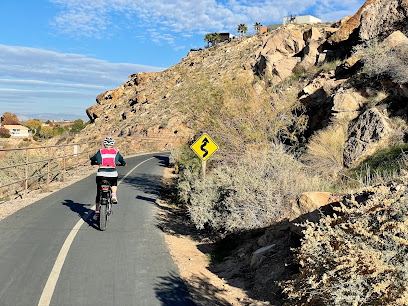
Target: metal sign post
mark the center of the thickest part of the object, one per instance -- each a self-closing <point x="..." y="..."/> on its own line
<point x="204" y="147"/>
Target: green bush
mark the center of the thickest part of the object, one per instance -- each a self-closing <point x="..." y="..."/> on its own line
<point x="383" y="166"/>
<point x="357" y="257"/>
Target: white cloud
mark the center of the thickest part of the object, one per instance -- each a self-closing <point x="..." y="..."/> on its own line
<point x="91" y="17"/>
<point x="36" y="84"/>
<point x="41" y="80"/>
<point x="43" y="65"/>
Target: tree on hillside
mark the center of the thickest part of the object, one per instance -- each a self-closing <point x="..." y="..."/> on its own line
<point x="208" y="39"/>
<point x="77" y="126"/>
<point x="46" y="132"/>
<point x="242" y="29"/>
<point x="9" y="119"/>
<point x="216" y="37"/>
<point x="257" y="26"/>
<point x="34" y="125"/>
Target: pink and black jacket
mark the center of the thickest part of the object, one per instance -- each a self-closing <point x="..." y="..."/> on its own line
<point x="107" y="159"/>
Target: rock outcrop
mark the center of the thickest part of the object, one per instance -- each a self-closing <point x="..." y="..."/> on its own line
<point x="274" y="58"/>
<point x="376" y="19"/>
<point x="369" y="132"/>
<point x="382" y="18"/>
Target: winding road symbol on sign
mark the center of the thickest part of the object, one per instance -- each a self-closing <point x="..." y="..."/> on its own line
<point x="204" y="143"/>
<point x="204" y="147"/>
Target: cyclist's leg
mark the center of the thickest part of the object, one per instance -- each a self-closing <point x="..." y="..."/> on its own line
<point x="98" y="192"/>
<point x="114" y="185"/>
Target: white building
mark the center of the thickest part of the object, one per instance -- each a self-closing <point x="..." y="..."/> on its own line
<point x="301" y="19"/>
<point x="18" y="130"/>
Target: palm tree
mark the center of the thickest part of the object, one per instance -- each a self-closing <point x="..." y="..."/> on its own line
<point x="242" y="28"/>
<point x="216" y="38"/>
<point x="257" y="26"/>
<point x="208" y="39"/>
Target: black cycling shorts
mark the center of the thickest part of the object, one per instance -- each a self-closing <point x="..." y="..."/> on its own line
<point x="113" y="181"/>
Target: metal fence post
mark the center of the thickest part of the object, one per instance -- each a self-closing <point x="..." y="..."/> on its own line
<point x="63" y="170"/>
<point x="48" y="167"/>
<point x="26" y="175"/>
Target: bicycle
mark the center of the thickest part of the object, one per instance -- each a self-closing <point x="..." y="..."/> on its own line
<point x="105" y="204"/>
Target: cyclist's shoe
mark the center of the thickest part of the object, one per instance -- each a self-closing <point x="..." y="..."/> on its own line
<point x="96" y="215"/>
<point x="114" y="198"/>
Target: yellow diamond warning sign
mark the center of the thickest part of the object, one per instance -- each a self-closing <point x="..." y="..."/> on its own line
<point x="204" y="147"/>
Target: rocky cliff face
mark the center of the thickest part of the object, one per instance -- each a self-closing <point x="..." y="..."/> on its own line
<point x="169" y="103"/>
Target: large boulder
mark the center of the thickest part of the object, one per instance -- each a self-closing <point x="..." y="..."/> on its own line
<point x="349" y="25"/>
<point x="375" y="19"/>
<point x="282" y="69"/>
<point x="366" y="134"/>
<point x="346" y="103"/>
<point x="277" y="46"/>
<point x="382" y="18"/>
<point x="312" y="34"/>
<point x="309" y="202"/>
<point x="310" y="55"/>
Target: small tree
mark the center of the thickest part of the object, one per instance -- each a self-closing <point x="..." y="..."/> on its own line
<point x="9" y="119"/>
<point x="242" y="29"/>
<point x="77" y="126"/>
<point x="46" y="132"/>
<point x="257" y="26"/>
<point x="34" y="125"/>
<point x="4" y="133"/>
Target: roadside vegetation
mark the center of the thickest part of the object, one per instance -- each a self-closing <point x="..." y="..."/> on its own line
<point x="354" y="257"/>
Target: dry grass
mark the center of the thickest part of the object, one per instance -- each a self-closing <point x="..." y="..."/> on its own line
<point x="325" y="149"/>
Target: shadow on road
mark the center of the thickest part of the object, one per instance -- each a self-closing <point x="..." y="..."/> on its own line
<point x="83" y="211"/>
<point x="147" y="183"/>
<point x="163" y="160"/>
<point x="171" y="290"/>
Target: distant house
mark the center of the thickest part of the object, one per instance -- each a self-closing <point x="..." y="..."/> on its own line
<point x="268" y="28"/>
<point x="226" y="36"/>
<point x="273" y="26"/>
<point x="18" y="130"/>
<point x="301" y="19"/>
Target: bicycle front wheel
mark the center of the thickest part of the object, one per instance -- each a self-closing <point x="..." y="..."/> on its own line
<point x="102" y="217"/>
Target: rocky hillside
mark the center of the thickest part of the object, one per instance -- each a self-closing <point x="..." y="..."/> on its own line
<point x="336" y="96"/>
<point x="186" y="98"/>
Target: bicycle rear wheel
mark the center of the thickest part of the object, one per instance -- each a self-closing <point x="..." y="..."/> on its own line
<point x="102" y="217"/>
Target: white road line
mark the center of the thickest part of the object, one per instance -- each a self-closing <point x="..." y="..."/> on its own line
<point x="49" y="288"/>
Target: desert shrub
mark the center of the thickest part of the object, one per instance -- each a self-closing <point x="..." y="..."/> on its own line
<point x="254" y="191"/>
<point x="357" y="257"/>
<point x="382" y="166"/>
<point x="4" y="133"/>
<point x="325" y="149"/>
<point x="380" y="62"/>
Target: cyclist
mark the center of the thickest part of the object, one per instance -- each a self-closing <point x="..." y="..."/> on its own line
<point x="107" y="158"/>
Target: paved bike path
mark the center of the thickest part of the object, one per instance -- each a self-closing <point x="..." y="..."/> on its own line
<point x="128" y="264"/>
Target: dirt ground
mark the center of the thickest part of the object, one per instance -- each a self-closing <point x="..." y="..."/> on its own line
<point x="191" y="252"/>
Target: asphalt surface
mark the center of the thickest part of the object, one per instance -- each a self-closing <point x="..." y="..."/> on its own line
<point x="128" y="264"/>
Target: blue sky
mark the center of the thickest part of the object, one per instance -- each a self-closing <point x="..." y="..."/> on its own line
<point x="56" y="56"/>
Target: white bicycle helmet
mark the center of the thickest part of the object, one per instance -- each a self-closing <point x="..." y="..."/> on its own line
<point x="108" y="142"/>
